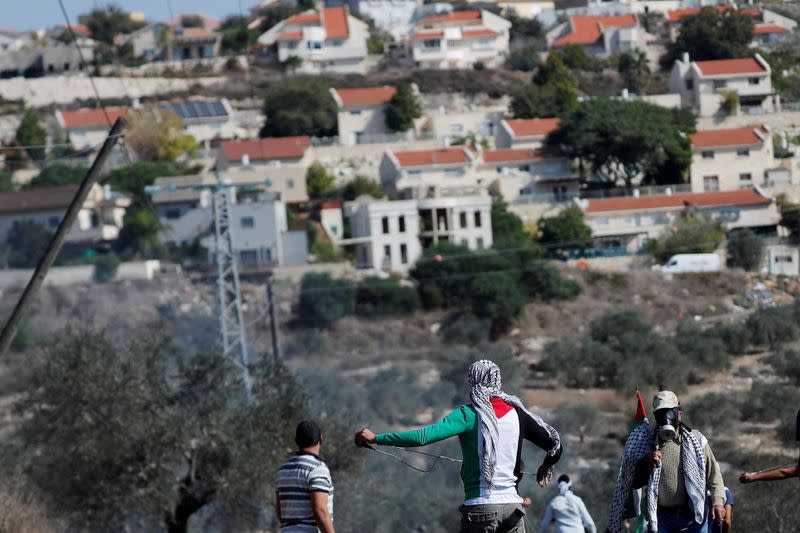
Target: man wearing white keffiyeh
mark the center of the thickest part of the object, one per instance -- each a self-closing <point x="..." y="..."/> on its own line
<point x="490" y="429"/>
<point x="675" y="467"/>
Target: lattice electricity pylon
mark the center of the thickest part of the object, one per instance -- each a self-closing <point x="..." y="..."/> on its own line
<point x="229" y="294"/>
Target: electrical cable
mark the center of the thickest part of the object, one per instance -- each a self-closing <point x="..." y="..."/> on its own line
<point x="437" y="458"/>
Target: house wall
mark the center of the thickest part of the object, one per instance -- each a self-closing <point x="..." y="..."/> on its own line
<point x="83" y="230"/>
<point x="484" y="123"/>
<point x="369" y="120"/>
<point x="333" y="55"/>
<point x="366" y="220"/>
<point x="728" y="166"/>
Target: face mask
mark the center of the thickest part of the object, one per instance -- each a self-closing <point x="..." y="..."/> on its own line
<point x="667" y="420"/>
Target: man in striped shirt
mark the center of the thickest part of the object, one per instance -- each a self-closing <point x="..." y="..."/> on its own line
<point x="304" y="490"/>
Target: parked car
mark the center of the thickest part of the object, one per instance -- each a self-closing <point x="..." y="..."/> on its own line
<point x="682" y="263"/>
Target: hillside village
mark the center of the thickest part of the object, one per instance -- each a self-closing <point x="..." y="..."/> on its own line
<point x="404" y="186"/>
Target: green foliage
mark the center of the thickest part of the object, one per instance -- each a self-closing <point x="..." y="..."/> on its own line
<point x="156" y="134"/>
<point x="787" y="364"/>
<point x="324" y="300"/>
<point x="624" y="140"/>
<point x="507" y="228"/>
<point x="575" y="58"/>
<point x="25" y="244"/>
<point x="790" y="216"/>
<point x="774" y="326"/>
<point x="692" y="235"/>
<point x="292" y="63"/>
<point x="634" y="69"/>
<point x="236" y="37"/>
<point x="525" y="59"/>
<point x="403" y="109"/>
<point x="703" y="350"/>
<point x="523" y="28"/>
<point x="301" y="105"/>
<point x="542" y="281"/>
<point x="735" y="338"/>
<point x="58" y="174"/>
<point x="767" y="401"/>
<point x="745" y="250"/>
<point x="715" y="413"/>
<point x="553" y="92"/>
<point x="730" y="102"/>
<point x="105" y="267"/>
<point x="132" y="179"/>
<point x="28" y="337"/>
<point x="466" y="329"/>
<point x="711" y="35"/>
<point x="376" y="298"/>
<point x="496" y="296"/>
<point x="32" y="133"/>
<point x="6" y="184"/>
<point x="318" y="182"/>
<point x="567" y="229"/>
<point x="431" y="296"/>
<point x="139" y="236"/>
<point x="134" y="418"/>
<point x="360" y="186"/>
<point x="105" y="24"/>
<point x="375" y="44"/>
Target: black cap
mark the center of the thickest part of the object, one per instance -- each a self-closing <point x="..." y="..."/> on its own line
<point x="563" y="477"/>
<point x="308" y="434"/>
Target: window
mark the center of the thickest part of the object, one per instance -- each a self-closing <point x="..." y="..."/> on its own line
<point x="387" y="253"/>
<point x="401" y="222"/>
<point x="465" y="243"/>
<point x="453" y="43"/>
<point x="414" y="173"/>
<point x="454" y="172"/>
<point x="337" y="42"/>
<point x="53" y="221"/>
<point x="479" y="243"/>
<point x="172" y="213"/>
<point x="708" y="154"/>
<point x="462" y="219"/>
<point x="560" y="193"/>
<point x="477" y="219"/>
<point x="431" y="43"/>
<point x="66" y="66"/>
<point x="754" y="81"/>
<point x="719" y="84"/>
<point x="290" y="184"/>
<point x="249" y="257"/>
<point x="743" y="152"/>
<point x="248" y="222"/>
<point x="524" y="168"/>
<point x="456" y="128"/>
<point x="385" y="225"/>
<point x="710" y="183"/>
<point x="746" y="177"/>
<point x="355" y="112"/>
<point x="689" y="85"/>
<point x="403" y="254"/>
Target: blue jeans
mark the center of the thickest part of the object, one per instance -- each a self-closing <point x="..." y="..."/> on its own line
<point x="678" y="522"/>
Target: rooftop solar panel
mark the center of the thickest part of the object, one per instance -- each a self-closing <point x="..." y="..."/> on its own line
<point x="198" y="109"/>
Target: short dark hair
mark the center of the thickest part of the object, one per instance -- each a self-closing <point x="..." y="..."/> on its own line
<point x="563" y="477"/>
<point x="307" y="434"/>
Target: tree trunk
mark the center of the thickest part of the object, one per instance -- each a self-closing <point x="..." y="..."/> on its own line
<point x="188" y="504"/>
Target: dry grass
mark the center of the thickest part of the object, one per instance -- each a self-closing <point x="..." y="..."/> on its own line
<point x="20" y="513"/>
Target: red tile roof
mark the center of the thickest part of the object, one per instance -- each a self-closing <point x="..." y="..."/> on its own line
<point x="729" y="137"/>
<point x="585" y="29"/>
<point x="730" y="66"/>
<point x="334" y="20"/>
<point x="92" y="118"/>
<point x="677" y="14"/>
<point x="196" y="34"/>
<point x="303" y="18"/>
<point x="365" y="96"/>
<point x="482" y="32"/>
<point x="512" y="154"/>
<point x="80" y="29"/>
<point x="290" y="35"/>
<point x="769" y="28"/>
<point x="266" y="149"/>
<point x="533" y="127"/>
<point x="455" y="16"/>
<point x="743" y="197"/>
<point x="443" y="156"/>
<point x="427" y="35"/>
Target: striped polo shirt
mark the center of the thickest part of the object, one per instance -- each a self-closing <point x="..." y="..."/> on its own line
<point x="301" y="475"/>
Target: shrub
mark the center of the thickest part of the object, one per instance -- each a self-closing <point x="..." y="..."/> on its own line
<point x="567" y="229"/>
<point x="377" y="297"/>
<point x="786" y="363"/>
<point x="541" y="280"/>
<point x="324" y="300"/>
<point x="745" y="250"/>
<point x="615" y="324"/>
<point x="730" y="102"/>
<point x="525" y="59"/>
<point x="105" y="268"/>
<point x="715" y="413"/>
<point x="691" y="235"/>
<point x="496" y="296"/>
<point x="479" y="65"/>
<point x="395" y="394"/>
<point x="431" y="296"/>
<point x="703" y="349"/>
<point x="767" y="401"/>
<point x="467" y="329"/>
<point x="735" y="337"/>
<point x="772" y="326"/>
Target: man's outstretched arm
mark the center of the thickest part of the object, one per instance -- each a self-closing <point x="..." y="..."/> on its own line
<point x="776" y="474"/>
<point x="455" y="423"/>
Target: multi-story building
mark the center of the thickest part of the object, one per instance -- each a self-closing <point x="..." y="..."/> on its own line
<point x="205" y="119"/>
<point x="99" y="220"/>
<point x="362" y="113"/>
<point x="603" y="36"/>
<point x="530" y="173"/>
<point x="629" y="222"/>
<point x="524" y="133"/>
<point x="460" y="39"/>
<point x="391" y="235"/>
<point x="88" y="127"/>
<point x="418" y="172"/>
<point x="194" y="43"/>
<point x="330" y="40"/>
<point x="769" y="33"/>
<point x="735" y="158"/>
<point x="703" y="84"/>
<point x="269" y="151"/>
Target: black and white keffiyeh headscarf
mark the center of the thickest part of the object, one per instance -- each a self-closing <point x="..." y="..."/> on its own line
<point x="485" y="384"/>
<point x="641" y="442"/>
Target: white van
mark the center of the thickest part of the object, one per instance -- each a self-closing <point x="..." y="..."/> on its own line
<point x="681" y="263"/>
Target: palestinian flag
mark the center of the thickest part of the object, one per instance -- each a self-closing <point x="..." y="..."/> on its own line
<point x="634" y="505"/>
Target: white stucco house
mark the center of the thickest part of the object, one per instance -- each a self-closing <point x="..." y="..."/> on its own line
<point x="524" y="133"/>
<point x="418" y="172"/>
<point x="361" y="117"/>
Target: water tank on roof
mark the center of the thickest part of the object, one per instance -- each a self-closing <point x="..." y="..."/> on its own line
<point x="245" y="160"/>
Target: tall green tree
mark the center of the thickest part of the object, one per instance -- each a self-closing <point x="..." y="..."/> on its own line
<point x="496" y="296"/>
<point x="634" y="69"/>
<point x="360" y="186"/>
<point x="105" y="24"/>
<point x="403" y="109"/>
<point x="236" y="36"/>
<point x="58" y="174"/>
<point x="745" y="250"/>
<point x="324" y="300"/>
<point x="139" y="236"/>
<point x="318" y="182"/>
<point x="553" y="92"/>
<point x="32" y="133"/>
<point x="623" y="141"/>
<point x="567" y="229"/>
<point x="301" y="105"/>
<point x="26" y="243"/>
<point x="507" y="227"/>
<point x="712" y="35"/>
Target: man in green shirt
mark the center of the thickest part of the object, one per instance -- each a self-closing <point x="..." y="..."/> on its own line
<point x="490" y="429"/>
